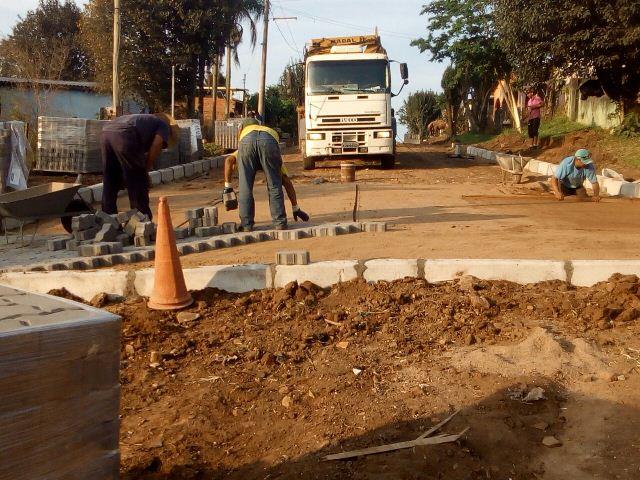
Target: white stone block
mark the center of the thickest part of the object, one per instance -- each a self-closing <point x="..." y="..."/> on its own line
<point x="532" y="165"/>
<point x="155" y="177"/>
<point x="85" y="285"/>
<point x="630" y="190"/>
<point x="518" y="271"/>
<point x="188" y="170"/>
<point x="231" y="278"/>
<point x="167" y="175"/>
<point x="390" y="269"/>
<point x="589" y="272"/>
<point x="96" y="191"/>
<point x="86" y="194"/>
<point x="323" y="274"/>
<point x="197" y="168"/>
<point x="178" y="172"/>
<point x="612" y="187"/>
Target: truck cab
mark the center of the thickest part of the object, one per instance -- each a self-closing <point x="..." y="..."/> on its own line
<point x="347" y="111"/>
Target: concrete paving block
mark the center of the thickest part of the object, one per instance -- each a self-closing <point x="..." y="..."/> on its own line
<point x="323" y="274"/>
<point x="208" y="231"/>
<point x="57" y="266"/>
<point x="88" y="234"/>
<point x="210" y="217"/>
<point x="293" y="257"/>
<point x="390" y="269"/>
<point x="178" y="172"/>
<point x="229" y="227"/>
<point x="181" y="233"/>
<point x="155" y="177"/>
<point x="124" y="239"/>
<point x="85" y="286"/>
<point x="193" y="213"/>
<point x="325" y="231"/>
<point x="347" y="228"/>
<point x="83" y="222"/>
<point x="140" y="241"/>
<point x="132" y="257"/>
<point x="231" y="278"/>
<point x="167" y="175"/>
<point x="613" y="187"/>
<point x="188" y="170"/>
<point x="376" y="227"/>
<point x="517" y="271"/>
<point x="106" y="219"/>
<point x="197" y="168"/>
<point x="57" y="244"/>
<point x="86" y="194"/>
<point x="107" y="233"/>
<point x="589" y="272"/>
<point x="114" y="247"/>
<point x="93" y="250"/>
<point x="134" y="221"/>
<point x="96" y="192"/>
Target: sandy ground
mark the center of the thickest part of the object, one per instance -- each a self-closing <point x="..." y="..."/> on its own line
<point x="422" y="200"/>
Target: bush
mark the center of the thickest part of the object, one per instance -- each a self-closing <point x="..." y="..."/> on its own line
<point x="630" y="127"/>
<point x="213" y="150"/>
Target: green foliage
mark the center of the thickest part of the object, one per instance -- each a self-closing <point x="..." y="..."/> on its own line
<point x="600" y="37"/>
<point x="280" y="112"/>
<point x="560" y="126"/>
<point x="453" y="95"/>
<point x="292" y="82"/>
<point x="463" y="32"/>
<point x="213" y="150"/>
<point x="157" y="35"/>
<point x="420" y="109"/>
<point x="475" y="138"/>
<point x="630" y="126"/>
<point x="45" y="44"/>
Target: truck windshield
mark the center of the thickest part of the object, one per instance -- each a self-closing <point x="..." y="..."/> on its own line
<point x="348" y="77"/>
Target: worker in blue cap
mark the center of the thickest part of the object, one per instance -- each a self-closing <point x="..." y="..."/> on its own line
<point x="571" y="174"/>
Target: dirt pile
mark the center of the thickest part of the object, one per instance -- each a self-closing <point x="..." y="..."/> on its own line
<point x="264" y="384"/>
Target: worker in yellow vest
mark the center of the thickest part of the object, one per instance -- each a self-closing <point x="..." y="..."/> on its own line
<point x="258" y="149"/>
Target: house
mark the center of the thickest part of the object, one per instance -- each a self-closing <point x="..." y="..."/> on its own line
<point x="26" y="99"/>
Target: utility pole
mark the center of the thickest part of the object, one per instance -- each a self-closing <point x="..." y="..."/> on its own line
<point x="244" y="96"/>
<point x="173" y="91"/>
<point x="214" y="96"/>
<point x="116" y="57"/>
<point x="263" y="66"/>
<point x="228" y="59"/>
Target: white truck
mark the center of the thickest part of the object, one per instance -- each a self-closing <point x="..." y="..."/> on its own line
<point x="347" y="111"/>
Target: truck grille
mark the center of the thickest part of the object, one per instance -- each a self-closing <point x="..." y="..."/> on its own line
<point x="348" y="120"/>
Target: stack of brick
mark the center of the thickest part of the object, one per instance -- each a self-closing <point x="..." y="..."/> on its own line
<point x="204" y="221"/>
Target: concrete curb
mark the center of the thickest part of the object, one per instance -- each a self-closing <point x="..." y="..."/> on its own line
<point x="245" y="278"/>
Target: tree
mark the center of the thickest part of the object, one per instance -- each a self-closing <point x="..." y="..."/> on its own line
<point x="463" y="32"/>
<point x="453" y="95"/>
<point x="419" y="110"/>
<point x="292" y="82"/>
<point x="280" y="112"/>
<point x="597" y="38"/>
<point x="45" y="44"/>
<point x="187" y="34"/>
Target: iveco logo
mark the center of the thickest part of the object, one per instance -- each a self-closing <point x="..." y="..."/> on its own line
<point x="349" y="120"/>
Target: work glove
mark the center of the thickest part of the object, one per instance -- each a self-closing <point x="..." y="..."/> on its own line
<point x="300" y="215"/>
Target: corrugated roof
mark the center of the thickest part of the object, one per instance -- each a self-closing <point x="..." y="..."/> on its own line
<point x="55" y="83"/>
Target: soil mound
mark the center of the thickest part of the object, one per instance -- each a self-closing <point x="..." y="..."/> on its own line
<point x="542" y="353"/>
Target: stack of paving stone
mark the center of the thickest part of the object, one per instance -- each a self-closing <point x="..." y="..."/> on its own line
<point x="170" y="157"/>
<point x="203" y="222"/>
<point x="103" y="234"/>
<point x="191" y="146"/>
<point x="69" y="145"/>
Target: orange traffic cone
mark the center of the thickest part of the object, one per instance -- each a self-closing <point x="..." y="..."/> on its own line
<point x="169" y="291"/>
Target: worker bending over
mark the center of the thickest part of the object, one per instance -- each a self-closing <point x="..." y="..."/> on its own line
<point x="571" y="174"/>
<point x="258" y="149"/>
<point x="130" y="146"/>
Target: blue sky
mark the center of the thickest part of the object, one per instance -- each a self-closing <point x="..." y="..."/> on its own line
<point x="398" y="21"/>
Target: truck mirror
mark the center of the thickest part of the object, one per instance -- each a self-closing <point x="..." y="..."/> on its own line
<point x="404" y="71"/>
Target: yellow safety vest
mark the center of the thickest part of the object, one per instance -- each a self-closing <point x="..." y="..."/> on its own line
<point x="259" y="128"/>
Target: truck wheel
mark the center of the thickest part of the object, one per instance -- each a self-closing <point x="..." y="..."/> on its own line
<point x="387" y="162"/>
<point x="308" y="163"/>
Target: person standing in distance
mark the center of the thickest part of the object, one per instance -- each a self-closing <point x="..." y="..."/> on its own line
<point x="534" y="106"/>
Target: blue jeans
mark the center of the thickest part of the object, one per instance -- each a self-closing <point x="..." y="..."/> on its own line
<point x="256" y="151"/>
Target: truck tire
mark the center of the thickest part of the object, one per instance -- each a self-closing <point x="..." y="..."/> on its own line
<point x="308" y="163"/>
<point x="388" y="162"/>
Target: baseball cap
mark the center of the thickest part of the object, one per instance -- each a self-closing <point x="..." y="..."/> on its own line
<point x="584" y="156"/>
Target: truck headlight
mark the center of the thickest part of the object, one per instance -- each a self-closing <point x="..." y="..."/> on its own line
<point x="385" y="134"/>
<point x="315" y="136"/>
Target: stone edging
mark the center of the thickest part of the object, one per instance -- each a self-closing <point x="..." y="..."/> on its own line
<point x="244" y="278"/>
<point x="609" y="186"/>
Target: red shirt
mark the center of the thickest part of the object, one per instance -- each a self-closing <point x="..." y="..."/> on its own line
<point x="534" y="104"/>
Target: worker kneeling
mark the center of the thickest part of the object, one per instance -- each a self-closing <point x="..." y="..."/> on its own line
<point x="130" y="146"/>
<point x="259" y="149"/>
<point x="571" y="174"/>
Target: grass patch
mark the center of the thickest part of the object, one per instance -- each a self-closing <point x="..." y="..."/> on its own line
<point x="558" y="126"/>
<point x="472" y="138"/>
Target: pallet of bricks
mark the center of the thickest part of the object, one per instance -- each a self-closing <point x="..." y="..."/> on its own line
<point x="190" y="141"/>
<point x="13" y="156"/>
<point x="70" y="145"/>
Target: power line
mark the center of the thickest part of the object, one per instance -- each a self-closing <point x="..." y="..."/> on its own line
<point x="285" y="39"/>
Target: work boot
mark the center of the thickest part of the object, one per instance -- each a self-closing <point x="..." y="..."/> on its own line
<point x="245" y="228"/>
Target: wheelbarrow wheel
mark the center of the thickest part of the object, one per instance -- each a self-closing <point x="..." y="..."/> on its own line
<point x="76" y="205"/>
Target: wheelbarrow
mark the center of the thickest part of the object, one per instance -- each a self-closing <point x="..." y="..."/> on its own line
<point x="513" y="164"/>
<point x="44" y="202"/>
